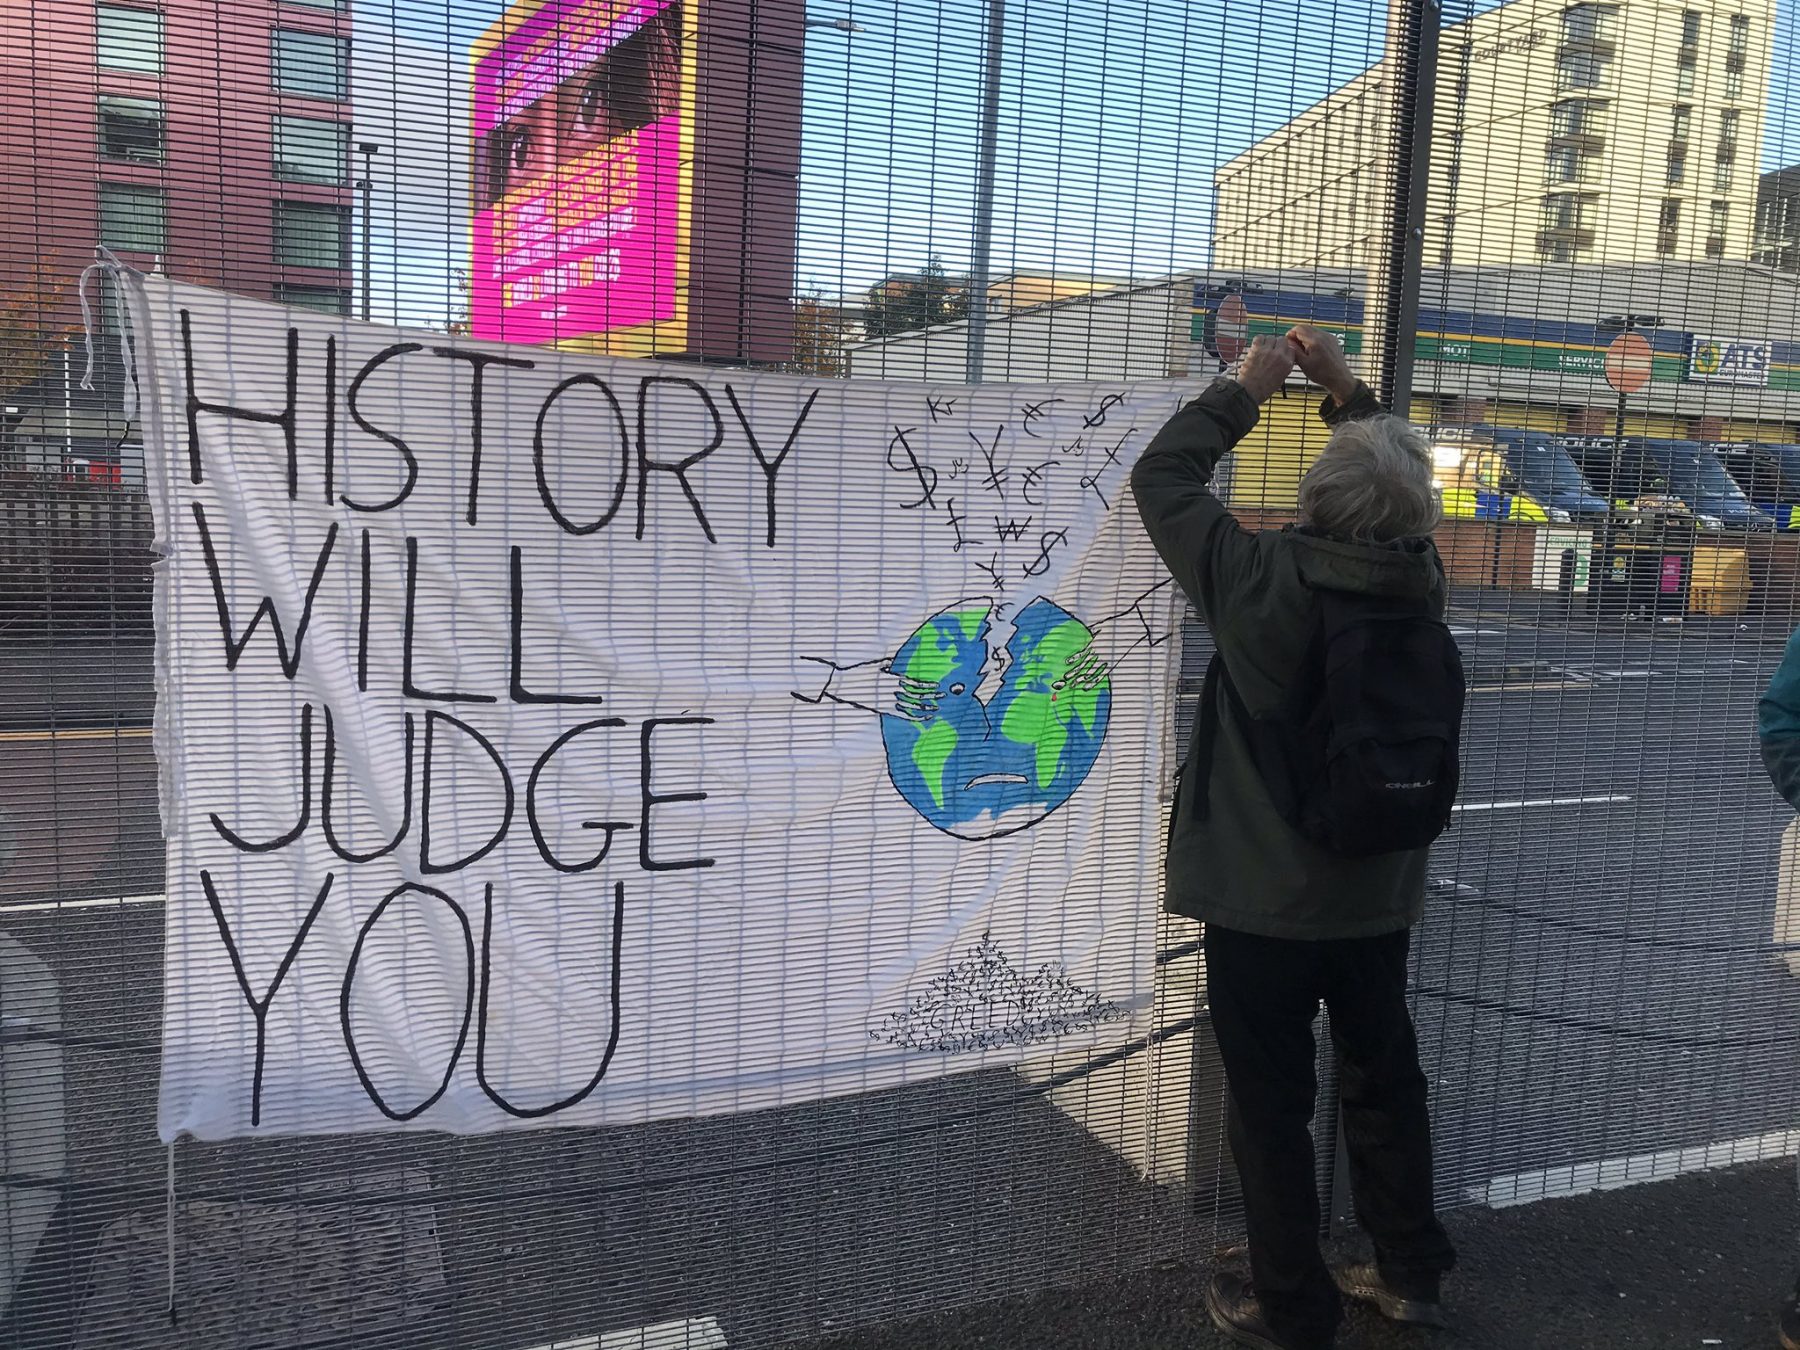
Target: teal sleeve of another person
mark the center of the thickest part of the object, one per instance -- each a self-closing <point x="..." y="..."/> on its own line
<point x="1778" y="724"/>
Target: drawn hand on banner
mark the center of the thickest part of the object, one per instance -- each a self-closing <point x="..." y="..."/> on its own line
<point x="991" y="720"/>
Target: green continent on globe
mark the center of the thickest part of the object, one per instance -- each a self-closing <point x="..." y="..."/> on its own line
<point x="1040" y="714"/>
<point x="931" y="662"/>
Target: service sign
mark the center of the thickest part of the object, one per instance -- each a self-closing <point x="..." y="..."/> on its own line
<point x="1729" y="360"/>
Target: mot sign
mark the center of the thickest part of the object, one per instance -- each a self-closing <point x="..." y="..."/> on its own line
<point x="1724" y="360"/>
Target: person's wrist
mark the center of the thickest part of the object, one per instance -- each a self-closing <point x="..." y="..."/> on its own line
<point x="1343" y="389"/>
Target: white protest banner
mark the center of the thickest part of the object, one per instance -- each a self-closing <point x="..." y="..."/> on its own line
<point x="552" y="739"/>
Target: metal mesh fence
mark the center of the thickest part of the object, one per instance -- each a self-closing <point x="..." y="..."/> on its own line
<point x="1494" y="206"/>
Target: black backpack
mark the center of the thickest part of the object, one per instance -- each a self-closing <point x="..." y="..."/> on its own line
<point x="1361" y="758"/>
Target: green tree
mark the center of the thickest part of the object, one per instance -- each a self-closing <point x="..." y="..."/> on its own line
<point x="908" y="302"/>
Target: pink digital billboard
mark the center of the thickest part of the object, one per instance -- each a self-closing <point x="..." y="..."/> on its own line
<point x="581" y="204"/>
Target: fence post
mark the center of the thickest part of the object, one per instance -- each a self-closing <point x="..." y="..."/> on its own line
<point x="1412" y="57"/>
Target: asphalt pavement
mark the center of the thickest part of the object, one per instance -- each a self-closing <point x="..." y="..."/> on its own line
<point x="1681" y="1265"/>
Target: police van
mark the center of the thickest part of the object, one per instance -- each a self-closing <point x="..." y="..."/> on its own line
<point x="1769" y="474"/>
<point x="1647" y="474"/>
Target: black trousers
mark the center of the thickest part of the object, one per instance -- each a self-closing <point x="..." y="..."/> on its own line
<point x="1264" y="994"/>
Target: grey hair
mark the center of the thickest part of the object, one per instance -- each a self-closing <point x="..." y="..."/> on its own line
<point x="1372" y="484"/>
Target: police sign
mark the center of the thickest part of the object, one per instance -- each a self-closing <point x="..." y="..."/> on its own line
<point x="1720" y="360"/>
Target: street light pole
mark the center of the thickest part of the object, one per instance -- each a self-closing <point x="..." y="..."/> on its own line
<point x="984" y="191"/>
<point x="368" y="150"/>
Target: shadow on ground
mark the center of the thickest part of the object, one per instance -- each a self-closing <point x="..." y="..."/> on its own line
<point x="1702" y="1260"/>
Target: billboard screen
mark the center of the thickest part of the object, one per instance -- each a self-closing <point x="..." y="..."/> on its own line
<point x="582" y="126"/>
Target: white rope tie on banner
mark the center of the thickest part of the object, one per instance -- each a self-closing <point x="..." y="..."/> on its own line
<point x="108" y="264"/>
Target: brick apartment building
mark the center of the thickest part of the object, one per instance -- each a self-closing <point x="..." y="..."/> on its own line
<point x="211" y="142"/>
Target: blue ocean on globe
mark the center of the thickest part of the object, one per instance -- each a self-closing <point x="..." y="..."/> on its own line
<point x="977" y="770"/>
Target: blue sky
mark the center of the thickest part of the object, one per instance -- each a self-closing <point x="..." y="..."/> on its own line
<point x="1113" y="115"/>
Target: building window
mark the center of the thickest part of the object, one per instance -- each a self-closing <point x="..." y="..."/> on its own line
<point x="1668" y="225"/>
<point x="1563" y="164"/>
<point x="128" y="39"/>
<point x="1717" y="223"/>
<point x="1738" y="46"/>
<point x="1734" y="84"/>
<point x="1589" y="23"/>
<point x="340" y="6"/>
<point x="1580" y="69"/>
<point x="310" y="234"/>
<point x="1681" y="122"/>
<point x="312" y="150"/>
<point x="1578" y="117"/>
<point x="1677" y="170"/>
<point x="132" y="217"/>
<point x="1562" y="211"/>
<point x="325" y="299"/>
<point x="131" y="129"/>
<point x="1690" y="27"/>
<point x="1722" y="177"/>
<point x="316" y="65"/>
<point x="1728" y="134"/>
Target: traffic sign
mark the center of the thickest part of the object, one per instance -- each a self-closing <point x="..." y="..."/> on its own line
<point x="1231" y="329"/>
<point x="1628" y="362"/>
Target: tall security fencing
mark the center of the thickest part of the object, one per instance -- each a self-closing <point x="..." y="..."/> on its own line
<point x="1560" y="235"/>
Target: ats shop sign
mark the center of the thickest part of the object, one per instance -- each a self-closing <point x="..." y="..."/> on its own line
<point x="1728" y="360"/>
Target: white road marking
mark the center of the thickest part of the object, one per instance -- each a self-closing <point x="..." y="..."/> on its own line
<point x="58" y="906"/>
<point x="1532" y="802"/>
<point x="1523" y="1188"/>
<point x="693" y="1334"/>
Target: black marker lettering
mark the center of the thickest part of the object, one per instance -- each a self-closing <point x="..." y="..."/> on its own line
<point x="259" y="1007"/>
<point x="373" y="364"/>
<point x="346" y="997"/>
<point x="545" y="495"/>
<point x="242" y="844"/>
<point x="432" y="718"/>
<point x="927" y="476"/>
<point x="478" y="364"/>
<point x="1098" y="416"/>
<point x="678" y="467"/>
<point x="325" y="797"/>
<point x="481" y="1034"/>
<point x="362" y="622"/>
<point x="520" y="694"/>
<point x="330" y="421"/>
<point x="1047" y="541"/>
<point x="651" y="798"/>
<point x="234" y="646"/>
<point x="407" y="687"/>
<point x="770" y="470"/>
<point x="611" y="827"/>
<point x="283" y="419"/>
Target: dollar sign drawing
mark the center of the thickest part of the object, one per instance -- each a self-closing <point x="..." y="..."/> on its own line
<point x="1048" y="540"/>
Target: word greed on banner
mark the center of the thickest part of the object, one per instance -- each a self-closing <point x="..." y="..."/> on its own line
<point x="557" y="739"/>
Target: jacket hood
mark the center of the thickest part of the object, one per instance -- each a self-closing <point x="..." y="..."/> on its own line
<point x="1406" y="569"/>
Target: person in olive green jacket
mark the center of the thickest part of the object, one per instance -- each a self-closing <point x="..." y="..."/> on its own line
<point x="1289" y="925"/>
<point x="1778" y="732"/>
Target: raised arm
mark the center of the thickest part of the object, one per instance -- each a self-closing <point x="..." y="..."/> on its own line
<point x="1205" y="549"/>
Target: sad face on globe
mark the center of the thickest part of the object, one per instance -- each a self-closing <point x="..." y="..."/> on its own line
<point x="998" y="724"/>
